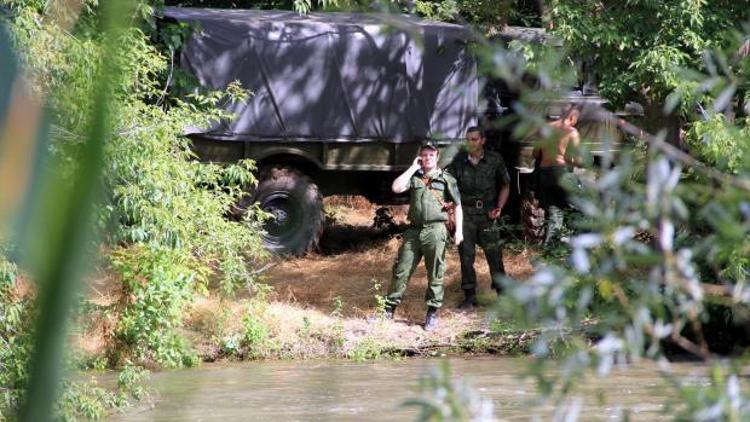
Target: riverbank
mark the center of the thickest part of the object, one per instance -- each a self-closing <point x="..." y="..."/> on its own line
<point x="328" y="305"/>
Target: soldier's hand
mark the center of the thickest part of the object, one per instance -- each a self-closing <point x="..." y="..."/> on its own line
<point x="458" y="238"/>
<point x="495" y="212"/>
<point x="417" y="161"/>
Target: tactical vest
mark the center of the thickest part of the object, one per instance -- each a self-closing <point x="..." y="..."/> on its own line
<point x="424" y="206"/>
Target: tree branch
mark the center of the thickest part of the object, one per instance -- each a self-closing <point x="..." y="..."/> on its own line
<point x="169" y="77"/>
<point x="604" y="115"/>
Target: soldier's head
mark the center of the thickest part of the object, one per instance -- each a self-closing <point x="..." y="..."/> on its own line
<point x="475" y="140"/>
<point x="429" y="154"/>
<point x="571" y="115"/>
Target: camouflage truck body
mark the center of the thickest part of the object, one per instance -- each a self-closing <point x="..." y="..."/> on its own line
<point x="340" y="103"/>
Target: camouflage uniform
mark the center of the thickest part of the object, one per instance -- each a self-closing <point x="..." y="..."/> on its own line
<point x="426" y="237"/>
<point x="553" y="199"/>
<point x="479" y="185"/>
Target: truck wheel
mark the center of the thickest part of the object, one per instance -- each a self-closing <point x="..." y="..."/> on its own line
<point x="532" y="218"/>
<point x="297" y="209"/>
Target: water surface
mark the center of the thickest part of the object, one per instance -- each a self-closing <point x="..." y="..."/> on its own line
<point x="345" y="391"/>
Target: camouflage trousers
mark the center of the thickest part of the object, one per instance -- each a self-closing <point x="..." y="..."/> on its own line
<point x="555" y="221"/>
<point x="428" y="241"/>
<point x="554" y="199"/>
<point x="478" y="231"/>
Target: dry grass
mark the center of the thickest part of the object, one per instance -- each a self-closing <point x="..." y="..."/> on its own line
<point x="92" y="334"/>
<point x="315" y="280"/>
<point x="310" y="286"/>
<point x="301" y="311"/>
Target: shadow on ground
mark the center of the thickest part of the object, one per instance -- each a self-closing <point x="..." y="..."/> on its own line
<point x="353" y="267"/>
<point x="340" y="239"/>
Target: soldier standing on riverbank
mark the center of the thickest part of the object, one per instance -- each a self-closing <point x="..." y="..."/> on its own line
<point x="483" y="181"/>
<point x="430" y="189"/>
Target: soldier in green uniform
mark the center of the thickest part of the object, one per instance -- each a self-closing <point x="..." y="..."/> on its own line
<point x="484" y="185"/>
<point x="429" y="190"/>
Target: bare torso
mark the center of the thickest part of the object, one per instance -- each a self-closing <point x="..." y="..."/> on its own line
<point x="556" y="153"/>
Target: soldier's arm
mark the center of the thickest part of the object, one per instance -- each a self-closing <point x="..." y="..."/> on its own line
<point x="401" y="184"/>
<point x="503" y="180"/>
<point x="459" y="236"/>
<point x="502" y="197"/>
<point x="573" y="152"/>
<point x="455" y="195"/>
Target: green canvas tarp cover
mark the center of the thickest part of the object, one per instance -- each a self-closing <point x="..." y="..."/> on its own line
<point x="334" y="76"/>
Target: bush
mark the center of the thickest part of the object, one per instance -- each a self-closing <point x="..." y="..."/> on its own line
<point x="157" y="284"/>
<point x="165" y="214"/>
<point x="366" y="349"/>
<point x="16" y="336"/>
<point x="255" y="336"/>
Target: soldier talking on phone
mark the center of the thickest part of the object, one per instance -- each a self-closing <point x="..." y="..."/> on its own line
<point x="430" y="189"/>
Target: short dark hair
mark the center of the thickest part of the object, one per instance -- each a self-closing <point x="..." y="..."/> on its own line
<point x="476" y="129"/>
<point x="570" y="109"/>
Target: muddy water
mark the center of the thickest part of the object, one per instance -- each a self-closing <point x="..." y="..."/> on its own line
<point x="344" y="391"/>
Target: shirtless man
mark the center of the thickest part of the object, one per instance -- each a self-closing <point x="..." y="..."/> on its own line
<point x="552" y="158"/>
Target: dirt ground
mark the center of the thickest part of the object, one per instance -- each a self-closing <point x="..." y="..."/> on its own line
<point x="354" y="266"/>
<point x="356" y="261"/>
<point x="325" y="304"/>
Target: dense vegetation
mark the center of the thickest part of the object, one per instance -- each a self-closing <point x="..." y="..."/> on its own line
<point x="162" y="227"/>
<point x="659" y="254"/>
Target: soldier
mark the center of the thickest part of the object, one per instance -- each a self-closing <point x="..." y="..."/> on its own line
<point x="430" y="189"/>
<point x="484" y="185"/>
<point x="551" y="160"/>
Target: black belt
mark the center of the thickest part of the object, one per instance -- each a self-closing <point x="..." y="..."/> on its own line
<point x="476" y="203"/>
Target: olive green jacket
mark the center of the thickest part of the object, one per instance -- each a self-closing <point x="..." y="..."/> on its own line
<point x="424" y="206"/>
<point x="479" y="184"/>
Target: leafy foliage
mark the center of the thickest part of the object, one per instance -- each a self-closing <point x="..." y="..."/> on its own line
<point x="79" y="399"/>
<point x="441" y="11"/>
<point x="88" y="401"/>
<point x="485" y="13"/>
<point x="635" y="50"/>
<point x="721" y="143"/>
<point x="16" y="335"/>
<point x="165" y="210"/>
<point x="164" y="218"/>
<point x="365" y="349"/>
<point x="157" y="284"/>
<point x="660" y="237"/>
<point x="255" y="336"/>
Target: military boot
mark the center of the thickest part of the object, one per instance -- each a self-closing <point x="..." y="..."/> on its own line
<point x="470" y="299"/>
<point x="388" y="312"/>
<point x="431" y="320"/>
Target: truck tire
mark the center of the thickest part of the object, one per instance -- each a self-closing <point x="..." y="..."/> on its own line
<point x="297" y="209"/>
<point x="532" y="218"/>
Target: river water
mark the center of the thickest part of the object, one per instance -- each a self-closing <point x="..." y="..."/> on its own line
<point x="375" y="391"/>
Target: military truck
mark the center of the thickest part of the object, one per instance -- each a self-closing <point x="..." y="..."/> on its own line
<point x="340" y="104"/>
